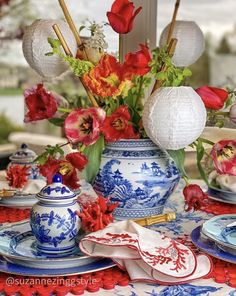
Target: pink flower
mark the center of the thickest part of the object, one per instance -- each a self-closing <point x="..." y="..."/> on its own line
<point x="83" y="125"/>
<point x="224" y="157"/>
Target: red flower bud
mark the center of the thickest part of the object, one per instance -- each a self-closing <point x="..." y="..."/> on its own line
<point x="213" y="98"/>
<point x="194" y="197"/>
<point x="121" y="16"/>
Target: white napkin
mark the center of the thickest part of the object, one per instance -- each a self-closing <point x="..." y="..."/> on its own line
<point x="31" y="187"/>
<point x="147" y="255"/>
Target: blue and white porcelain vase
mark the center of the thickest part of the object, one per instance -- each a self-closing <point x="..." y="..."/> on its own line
<point x="137" y="174"/>
<point x="53" y="219"/>
<point x="25" y="157"/>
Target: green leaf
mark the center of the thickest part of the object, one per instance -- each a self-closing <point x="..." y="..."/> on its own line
<point x="79" y="67"/>
<point x="200" y="154"/>
<point x="48" y="54"/>
<point x="187" y="72"/>
<point x="81" y="28"/>
<point x="55" y="43"/>
<point x="93" y="153"/>
<point x="178" y="156"/>
<point x="41" y="159"/>
<point x="57" y="121"/>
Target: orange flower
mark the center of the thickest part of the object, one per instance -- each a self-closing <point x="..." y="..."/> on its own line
<point x="105" y="80"/>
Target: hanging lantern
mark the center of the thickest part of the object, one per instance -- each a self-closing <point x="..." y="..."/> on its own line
<point x="35" y="46"/>
<point x="174" y="117"/>
<point x="190" y="45"/>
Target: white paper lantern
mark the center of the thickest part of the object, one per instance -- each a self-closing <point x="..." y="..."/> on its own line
<point x="35" y="46"/>
<point x="190" y="45"/>
<point x="174" y="117"/>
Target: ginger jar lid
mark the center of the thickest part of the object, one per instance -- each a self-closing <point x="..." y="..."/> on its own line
<point x="56" y="191"/>
<point x="23" y="155"/>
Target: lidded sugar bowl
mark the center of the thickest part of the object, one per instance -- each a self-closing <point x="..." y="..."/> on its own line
<point x="25" y="157"/>
<point x="54" y="220"/>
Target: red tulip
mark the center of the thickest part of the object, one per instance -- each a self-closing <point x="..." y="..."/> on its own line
<point x="66" y="167"/>
<point x="137" y="63"/>
<point x="41" y="104"/>
<point x="83" y="125"/>
<point x="117" y="126"/>
<point x="194" y="197"/>
<point x="121" y="16"/>
<point x="213" y="98"/>
<point x="224" y="157"/>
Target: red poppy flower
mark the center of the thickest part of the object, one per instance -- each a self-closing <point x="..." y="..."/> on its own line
<point x="137" y="63"/>
<point x="224" y="157"/>
<point x="67" y="168"/>
<point x="41" y="104"/>
<point x="117" y="126"/>
<point x="83" y="125"/>
<point x="121" y="16"/>
<point x="106" y="79"/>
<point x="194" y="197"/>
<point x="97" y="214"/>
<point x="17" y="175"/>
<point x="213" y="98"/>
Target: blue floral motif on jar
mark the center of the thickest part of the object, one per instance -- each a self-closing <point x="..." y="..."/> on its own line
<point x="53" y="219"/>
<point x="138" y="175"/>
<point x="41" y="227"/>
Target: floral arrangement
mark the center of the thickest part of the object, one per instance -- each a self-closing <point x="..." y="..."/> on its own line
<point x="116" y="92"/>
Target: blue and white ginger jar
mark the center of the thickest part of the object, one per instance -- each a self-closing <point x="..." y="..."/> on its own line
<point x="137" y="174"/>
<point x="25" y="157"/>
<point x="53" y="219"/>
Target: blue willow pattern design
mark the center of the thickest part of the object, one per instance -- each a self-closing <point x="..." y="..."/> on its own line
<point x="113" y="184"/>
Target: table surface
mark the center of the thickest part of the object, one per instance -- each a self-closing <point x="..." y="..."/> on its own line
<point x="184" y="224"/>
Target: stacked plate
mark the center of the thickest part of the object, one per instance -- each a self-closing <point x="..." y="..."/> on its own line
<point x="221" y="195"/>
<point x="217" y="237"/>
<point x="20" y="256"/>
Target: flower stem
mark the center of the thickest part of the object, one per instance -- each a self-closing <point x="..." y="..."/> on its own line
<point x="206" y="141"/>
<point x="186" y="180"/>
<point x="64" y="110"/>
<point x="221" y="113"/>
<point x="120" y="48"/>
<point x="64" y="144"/>
<point x="138" y="96"/>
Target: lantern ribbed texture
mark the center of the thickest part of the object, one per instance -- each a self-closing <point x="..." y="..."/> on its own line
<point x="174" y="117"/>
<point x="35" y="46"/>
<point x="190" y="45"/>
